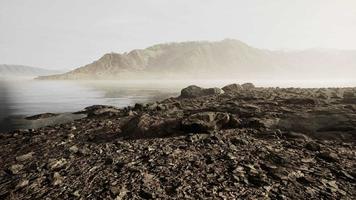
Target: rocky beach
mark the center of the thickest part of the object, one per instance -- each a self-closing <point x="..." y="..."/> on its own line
<point x="235" y="142"/>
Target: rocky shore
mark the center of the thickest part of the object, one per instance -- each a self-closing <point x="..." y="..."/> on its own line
<point x="237" y="142"/>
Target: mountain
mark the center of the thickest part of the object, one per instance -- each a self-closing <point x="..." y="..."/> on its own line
<point x="12" y="71"/>
<point x="228" y="58"/>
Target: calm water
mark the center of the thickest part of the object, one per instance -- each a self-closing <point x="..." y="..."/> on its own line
<point x="29" y="97"/>
<point x="33" y="97"/>
<point x="26" y="98"/>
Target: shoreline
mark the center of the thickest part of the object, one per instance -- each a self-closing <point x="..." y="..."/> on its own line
<point x="238" y="141"/>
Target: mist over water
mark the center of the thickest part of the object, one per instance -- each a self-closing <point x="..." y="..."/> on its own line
<point x="29" y="97"/>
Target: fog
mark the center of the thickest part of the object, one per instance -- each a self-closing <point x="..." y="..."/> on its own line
<point x="67" y="34"/>
<point x="273" y="44"/>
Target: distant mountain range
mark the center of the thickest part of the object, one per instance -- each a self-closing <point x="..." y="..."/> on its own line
<point x="228" y="58"/>
<point x="13" y="71"/>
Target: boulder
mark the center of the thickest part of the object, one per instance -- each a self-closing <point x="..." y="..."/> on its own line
<point x="232" y="88"/>
<point x="101" y="110"/>
<point x="194" y="91"/>
<point x="191" y="92"/>
<point x="205" y="121"/>
<point x="212" y="91"/>
<point x="147" y="126"/>
<point x="248" y="86"/>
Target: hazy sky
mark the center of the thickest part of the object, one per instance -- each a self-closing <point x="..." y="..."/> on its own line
<point x="71" y="33"/>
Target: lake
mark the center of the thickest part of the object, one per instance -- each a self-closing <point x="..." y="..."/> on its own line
<point x="19" y="98"/>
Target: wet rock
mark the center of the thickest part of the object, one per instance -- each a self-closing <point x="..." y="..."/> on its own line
<point x="232" y="88"/>
<point x="101" y="110"/>
<point x="42" y="116"/>
<point x="205" y="121"/>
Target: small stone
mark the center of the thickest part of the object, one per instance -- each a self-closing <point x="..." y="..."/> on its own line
<point x="57" y="179"/>
<point x="313" y="146"/>
<point x="24" y="157"/>
<point x="15" y="169"/>
<point x="22" y="184"/>
<point x="58" y="164"/>
<point x="76" y="193"/>
<point x="121" y="193"/>
<point x="73" y="149"/>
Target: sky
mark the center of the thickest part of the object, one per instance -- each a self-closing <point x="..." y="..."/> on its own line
<point x="65" y="34"/>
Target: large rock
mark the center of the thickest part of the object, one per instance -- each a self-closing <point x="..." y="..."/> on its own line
<point x="195" y="91"/>
<point x="349" y="97"/>
<point x="191" y="92"/>
<point x="212" y="91"/>
<point x="248" y="86"/>
<point x="147" y="126"/>
<point x="232" y="88"/>
<point x="324" y="123"/>
<point x="101" y="110"/>
<point x="205" y="121"/>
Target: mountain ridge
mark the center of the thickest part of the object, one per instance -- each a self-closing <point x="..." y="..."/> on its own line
<point x="12" y="70"/>
<point x="228" y="58"/>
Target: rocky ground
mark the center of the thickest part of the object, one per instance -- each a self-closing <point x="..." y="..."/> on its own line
<point x="240" y="142"/>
